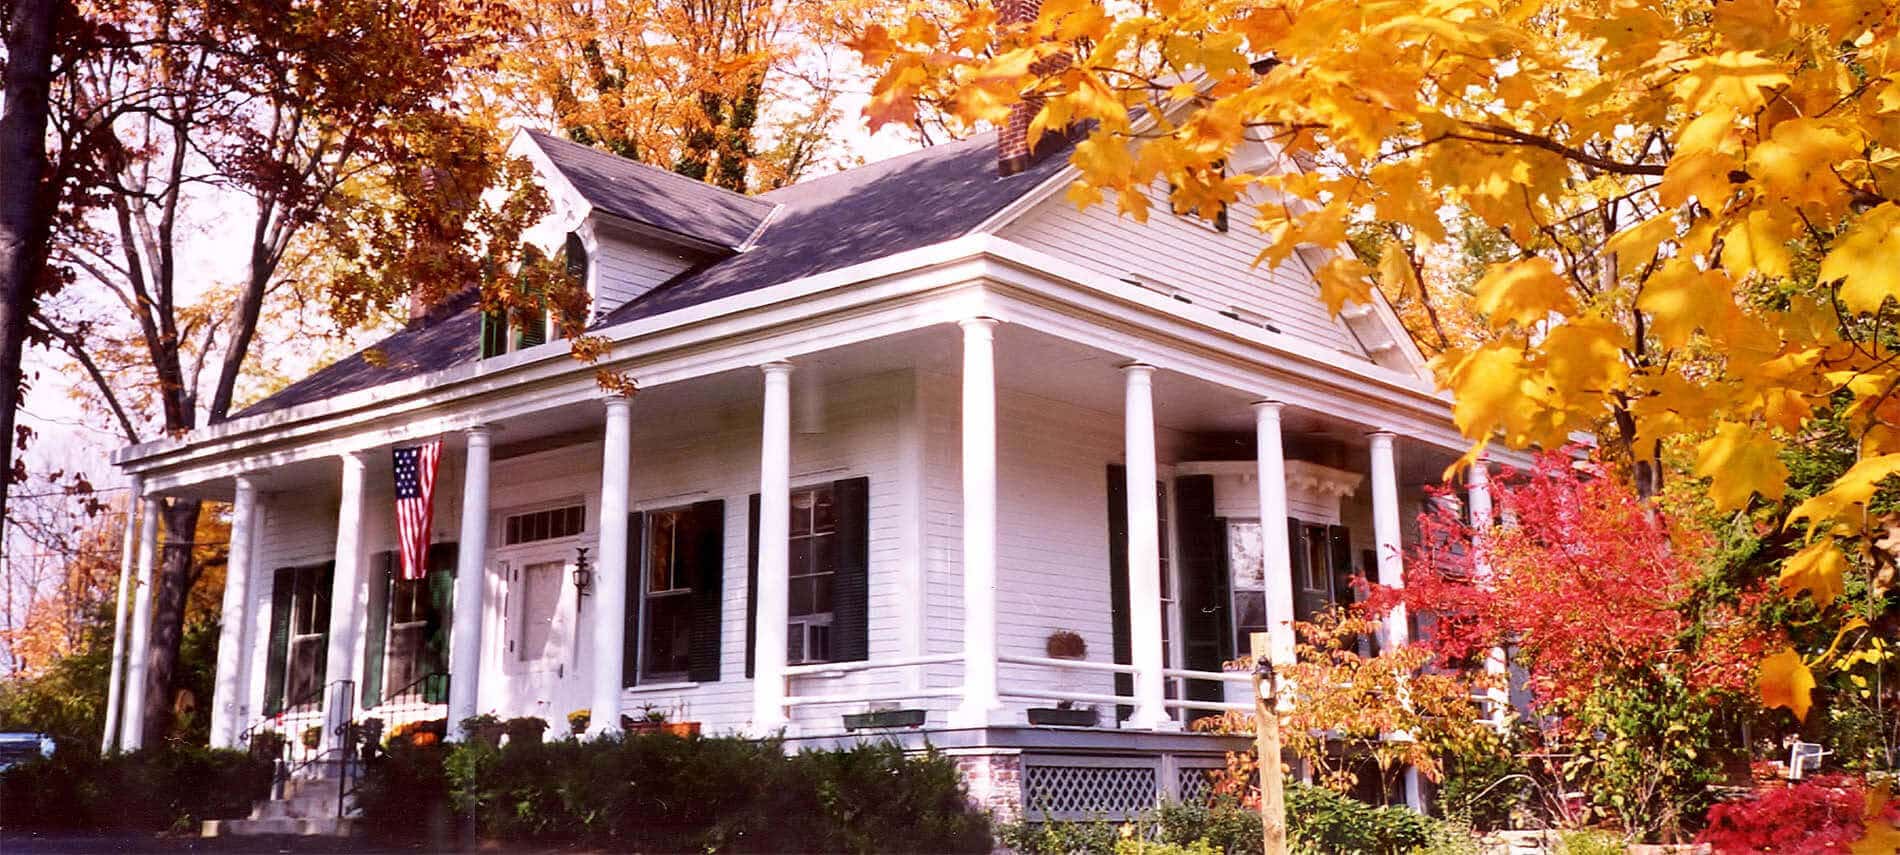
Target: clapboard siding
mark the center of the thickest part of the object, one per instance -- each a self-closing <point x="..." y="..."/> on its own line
<point x="628" y="266"/>
<point x="1214" y="269"/>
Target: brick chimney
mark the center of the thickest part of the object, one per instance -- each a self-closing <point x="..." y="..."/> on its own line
<point x="1014" y="150"/>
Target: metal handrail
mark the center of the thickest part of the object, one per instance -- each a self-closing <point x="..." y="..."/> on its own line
<point x="420" y="687"/>
<point x="333" y="704"/>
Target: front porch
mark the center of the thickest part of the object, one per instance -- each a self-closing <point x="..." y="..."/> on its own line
<point x="925" y="504"/>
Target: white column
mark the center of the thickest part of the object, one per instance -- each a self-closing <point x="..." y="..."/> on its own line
<point x="610" y="575"/>
<point x="127" y="558"/>
<point x="981" y="705"/>
<point x="1478" y="495"/>
<point x="1385" y="532"/>
<point x="1144" y="549"/>
<point x="346" y="594"/>
<point x="471" y="571"/>
<point x="228" y="685"/>
<point x="132" y="713"/>
<point x="1270" y="452"/>
<point x="772" y="599"/>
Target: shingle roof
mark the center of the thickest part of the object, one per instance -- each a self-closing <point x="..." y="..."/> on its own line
<point x="450" y="335"/>
<point x="655" y="197"/>
<point x="914" y="200"/>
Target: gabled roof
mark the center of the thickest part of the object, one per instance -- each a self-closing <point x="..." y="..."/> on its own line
<point x="880" y="209"/>
<point x="654" y="197"/>
<point x="449" y="335"/>
<point x="914" y="200"/>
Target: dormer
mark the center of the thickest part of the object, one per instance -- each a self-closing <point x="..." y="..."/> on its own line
<point x="625" y="227"/>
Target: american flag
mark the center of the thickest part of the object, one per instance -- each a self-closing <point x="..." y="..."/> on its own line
<point x="415" y="504"/>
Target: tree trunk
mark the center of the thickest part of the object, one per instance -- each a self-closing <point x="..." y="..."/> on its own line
<point x="177" y="572"/>
<point x="24" y="217"/>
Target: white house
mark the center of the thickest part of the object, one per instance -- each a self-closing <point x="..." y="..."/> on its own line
<point x="880" y="453"/>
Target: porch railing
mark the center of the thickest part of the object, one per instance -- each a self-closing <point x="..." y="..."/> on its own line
<point x="839" y="669"/>
<point x="799" y="673"/>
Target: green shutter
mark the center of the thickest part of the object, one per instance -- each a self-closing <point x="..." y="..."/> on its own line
<point x="494" y="334"/>
<point x="709" y="590"/>
<point x="575" y="255"/>
<point x="851" y="584"/>
<point x="440" y="625"/>
<point x="1122" y="643"/>
<point x="382" y="581"/>
<point x="283" y="584"/>
<point x="751" y="581"/>
<point x="1206" y="620"/>
<point x="633" y="572"/>
<point x="531" y="328"/>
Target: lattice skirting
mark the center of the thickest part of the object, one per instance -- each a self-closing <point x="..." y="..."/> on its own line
<point x="1089" y="787"/>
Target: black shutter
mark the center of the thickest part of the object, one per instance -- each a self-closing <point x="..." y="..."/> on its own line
<point x="709" y="590"/>
<point x="1206" y="617"/>
<point x="633" y="572"/>
<point x="440" y="622"/>
<point x="494" y="334"/>
<point x="1339" y="538"/>
<point x="382" y="580"/>
<point x="1306" y="602"/>
<point x="1118" y="583"/>
<point x="751" y="581"/>
<point x="851" y="586"/>
<point x="283" y="584"/>
<point x="325" y="581"/>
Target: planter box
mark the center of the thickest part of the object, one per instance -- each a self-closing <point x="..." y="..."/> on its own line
<point x="1056" y="717"/>
<point x="681" y="729"/>
<point x="883" y="719"/>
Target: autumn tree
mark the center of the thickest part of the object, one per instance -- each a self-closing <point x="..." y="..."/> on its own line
<point x="1698" y="201"/>
<point x="285" y="123"/>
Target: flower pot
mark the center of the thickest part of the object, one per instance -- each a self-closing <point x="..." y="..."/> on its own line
<point x="681" y="729"/>
<point x="883" y="719"/>
<point x="1056" y="717"/>
<point x="486" y="734"/>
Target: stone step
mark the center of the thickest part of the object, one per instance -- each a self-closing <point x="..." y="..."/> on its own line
<point x="332" y="826"/>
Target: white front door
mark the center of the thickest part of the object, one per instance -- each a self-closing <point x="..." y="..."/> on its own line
<point x="539" y="639"/>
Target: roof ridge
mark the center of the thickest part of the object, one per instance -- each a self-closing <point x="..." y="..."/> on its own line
<point x="628" y="161"/>
<point x="939" y="148"/>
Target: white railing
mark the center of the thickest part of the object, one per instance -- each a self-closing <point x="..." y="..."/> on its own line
<point x="1037" y="693"/>
<point x="833" y="670"/>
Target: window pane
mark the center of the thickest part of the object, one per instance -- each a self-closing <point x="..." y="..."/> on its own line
<point x="821" y="594"/>
<point x="1246" y="555"/>
<point x="799" y="592"/>
<point x="800" y="561"/>
<point x="818" y="649"/>
<point x="795" y="643"/>
<point x="669" y="636"/>
<point x="823" y="516"/>
<point x="824" y="554"/>
<point x="541" y="592"/>
<point x="660" y="533"/>
<point x="802" y="502"/>
<point x="402" y="664"/>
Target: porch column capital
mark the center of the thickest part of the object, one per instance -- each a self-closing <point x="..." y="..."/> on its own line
<point x="981" y="325"/>
<point x="777" y="368"/>
<point x="478" y="433"/>
<point x="1267" y="407"/>
<point x="1138" y="371"/>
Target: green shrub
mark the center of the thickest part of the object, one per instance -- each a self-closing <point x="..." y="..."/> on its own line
<point x="1322" y="821"/>
<point x="670" y="794"/>
<point x="404" y="793"/>
<point x="1061" y="837"/>
<point x="157" y="789"/>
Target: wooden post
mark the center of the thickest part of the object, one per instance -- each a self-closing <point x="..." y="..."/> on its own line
<point x="1266" y="740"/>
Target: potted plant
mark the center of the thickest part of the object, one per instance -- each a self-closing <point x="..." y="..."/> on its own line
<point x="578" y="720"/>
<point x="524" y="729"/>
<point x="268" y="745"/>
<point x="484" y="729"/>
<point x="312" y="737"/>
<point x="419" y="734"/>
<point x="654" y="719"/>
<point x="1064" y="714"/>
<point x="1066" y="644"/>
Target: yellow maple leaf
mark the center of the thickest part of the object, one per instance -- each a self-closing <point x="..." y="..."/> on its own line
<point x="1818" y="569"/>
<point x="1785" y="681"/>
<point x="1733" y="79"/>
<point x="1795" y="162"/>
<point x="1523" y="292"/>
<point x="1759" y="243"/>
<point x="1851" y="490"/>
<point x="1343" y="280"/>
<point x="1635" y="245"/>
<point x="1867" y="259"/>
<point x="1486" y="384"/>
<point x="1741" y="461"/>
<point x="1681" y="298"/>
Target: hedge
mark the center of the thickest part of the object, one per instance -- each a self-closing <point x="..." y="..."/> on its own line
<point x="664" y="793"/>
<point x="157" y="789"/>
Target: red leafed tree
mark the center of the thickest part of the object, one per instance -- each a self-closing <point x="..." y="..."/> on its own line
<point x="1582" y="580"/>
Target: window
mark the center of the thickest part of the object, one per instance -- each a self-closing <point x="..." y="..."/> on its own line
<point x="667" y="626"/>
<point x="813" y="567"/>
<point x="549" y="524"/>
<point x="412" y="612"/>
<point x="309" y="631"/>
<point x="525" y="327"/>
<point x="1246" y="555"/>
<point x="540" y="584"/>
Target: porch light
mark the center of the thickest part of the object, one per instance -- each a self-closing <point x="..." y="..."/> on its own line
<point x="583" y="578"/>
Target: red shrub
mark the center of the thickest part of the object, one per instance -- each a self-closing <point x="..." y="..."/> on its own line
<point x="1818" y="815"/>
